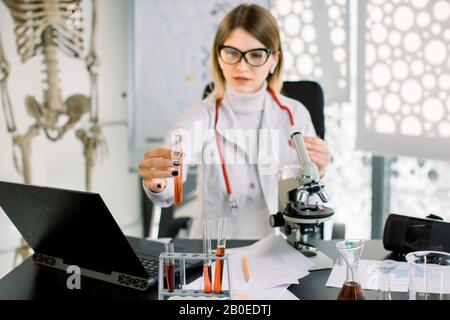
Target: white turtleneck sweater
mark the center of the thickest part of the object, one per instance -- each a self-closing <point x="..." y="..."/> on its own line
<point x="248" y="107"/>
<point x="253" y="215"/>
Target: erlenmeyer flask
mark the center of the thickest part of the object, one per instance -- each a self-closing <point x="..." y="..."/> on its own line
<point x="350" y="251"/>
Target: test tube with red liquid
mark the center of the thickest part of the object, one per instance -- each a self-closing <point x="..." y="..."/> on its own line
<point x="169" y="268"/>
<point x="207" y="264"/>
<point x="220" y="252"/>
<point x="177" y="153"/>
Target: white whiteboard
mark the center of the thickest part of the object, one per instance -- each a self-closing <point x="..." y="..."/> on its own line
<point x="170" y="46"/>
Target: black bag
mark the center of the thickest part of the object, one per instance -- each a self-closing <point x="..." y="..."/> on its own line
<point x="403" y="234"/>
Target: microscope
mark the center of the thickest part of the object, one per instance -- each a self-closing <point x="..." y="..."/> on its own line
<point x="300" y="214"/>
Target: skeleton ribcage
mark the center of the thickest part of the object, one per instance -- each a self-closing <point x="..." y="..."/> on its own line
<point x="32" y="17"/>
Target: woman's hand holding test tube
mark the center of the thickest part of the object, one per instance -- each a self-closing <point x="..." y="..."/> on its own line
<point x="157" y="166"/>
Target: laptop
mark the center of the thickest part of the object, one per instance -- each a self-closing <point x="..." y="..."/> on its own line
<point x="66" y="227"/>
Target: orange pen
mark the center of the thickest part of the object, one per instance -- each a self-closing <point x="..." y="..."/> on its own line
<point x="247" y="274"/>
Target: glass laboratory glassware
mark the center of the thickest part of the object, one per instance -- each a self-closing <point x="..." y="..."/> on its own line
<point x="350" y="252"/>
<point x="207" y="264"/>
<point x="384" y="281"/>
<point x="429" y="275"/>
<point x="169" y="268"/>
<point x="220" y="252"/>
<point x="177" y="153"/>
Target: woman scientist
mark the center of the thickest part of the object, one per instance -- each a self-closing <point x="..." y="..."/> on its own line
<point x="239" y="136"/>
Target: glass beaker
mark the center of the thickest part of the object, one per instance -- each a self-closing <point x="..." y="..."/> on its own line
<point x="350" y="251"/>
<point x="384" y="281"/>
<point x="429" y="275"/>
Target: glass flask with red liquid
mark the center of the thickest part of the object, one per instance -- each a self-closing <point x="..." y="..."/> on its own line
<point x="350" y="252"/>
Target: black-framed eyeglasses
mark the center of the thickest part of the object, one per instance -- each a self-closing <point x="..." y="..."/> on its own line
<point x="254" y="57"/>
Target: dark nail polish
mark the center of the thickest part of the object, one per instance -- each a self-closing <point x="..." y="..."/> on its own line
<point x="174" y="173"/>
<point x="176" y="163"/>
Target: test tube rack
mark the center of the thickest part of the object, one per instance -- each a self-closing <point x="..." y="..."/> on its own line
<point x="163" y="293"/>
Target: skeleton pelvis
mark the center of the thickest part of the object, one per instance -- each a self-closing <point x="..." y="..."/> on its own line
<point x="74" y="108"/>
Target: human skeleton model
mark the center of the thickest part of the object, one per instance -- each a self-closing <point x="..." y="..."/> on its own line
<point x="44" y="27"/>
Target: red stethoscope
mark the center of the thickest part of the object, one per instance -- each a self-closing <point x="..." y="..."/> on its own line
<point x="233" y="202"/>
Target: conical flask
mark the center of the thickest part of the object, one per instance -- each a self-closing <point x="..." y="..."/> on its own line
<point x="350" y="251"/>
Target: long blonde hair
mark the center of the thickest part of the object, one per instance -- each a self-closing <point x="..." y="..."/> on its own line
<point x="260" y="23"/>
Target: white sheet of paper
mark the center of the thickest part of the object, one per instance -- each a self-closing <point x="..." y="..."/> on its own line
<point x="286" y="295"/>
<point x="368" y="276"/>
<point x="272" y="262"/>
<point x="277" y="293"/>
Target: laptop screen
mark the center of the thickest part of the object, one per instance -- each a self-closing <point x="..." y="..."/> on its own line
<point x="71" y="225"/>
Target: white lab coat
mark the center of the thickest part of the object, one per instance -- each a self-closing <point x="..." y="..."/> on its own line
<point x="212" y="199"/>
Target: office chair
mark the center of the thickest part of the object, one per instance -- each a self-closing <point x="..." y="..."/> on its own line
<point x="310" y="94"/>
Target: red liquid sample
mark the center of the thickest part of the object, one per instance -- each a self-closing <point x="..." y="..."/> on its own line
<point x="178" y="187"/>
<point x="207" y="279"/>
<point x="220" y="252"/>
<point x="170" y="277"/>
<point x="351" y="291"/>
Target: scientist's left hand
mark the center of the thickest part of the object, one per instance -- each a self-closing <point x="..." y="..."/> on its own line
<point x="318" y="152"/>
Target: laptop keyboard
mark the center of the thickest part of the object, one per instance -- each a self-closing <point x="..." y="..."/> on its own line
<point x="151" y="266"/>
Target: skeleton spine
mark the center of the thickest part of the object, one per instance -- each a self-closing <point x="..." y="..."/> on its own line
<point x="52" y="92"/>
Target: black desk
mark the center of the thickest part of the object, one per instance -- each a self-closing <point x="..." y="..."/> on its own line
<point x="30" y="281"/>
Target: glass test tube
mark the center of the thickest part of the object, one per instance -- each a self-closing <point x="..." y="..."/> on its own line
<point x="178" y="180"/>
<point x="207" y="274"/>
<point x="182" y="274"/>
<point x="169" y="268"/>
<point x="220" y="252"/>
